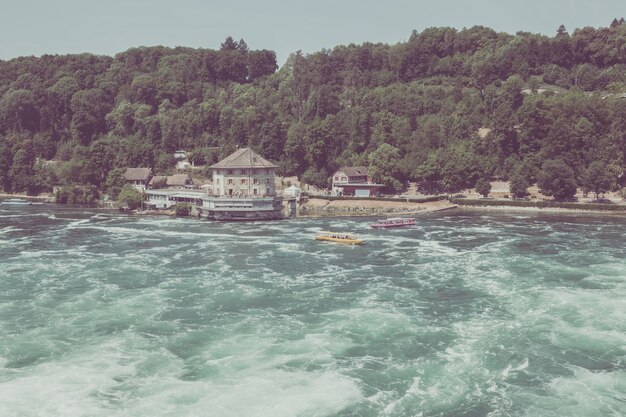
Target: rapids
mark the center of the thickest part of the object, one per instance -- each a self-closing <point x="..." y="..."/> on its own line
<point x="465" y="314"/>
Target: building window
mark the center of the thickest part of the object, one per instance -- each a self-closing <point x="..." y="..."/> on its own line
<point x="230" y="180"/>
<point x="336" y="178"/>
<point x="254" y="191"/>
<point x="243" y="180"/>
<point x="230" y="172"/>
<point x="244" y="172"/>
<point x="255" y="181"/>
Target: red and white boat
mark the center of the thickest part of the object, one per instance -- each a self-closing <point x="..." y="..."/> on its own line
<point x="394" y="222"/>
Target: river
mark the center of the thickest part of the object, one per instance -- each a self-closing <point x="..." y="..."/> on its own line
<point x="465" y="314"/>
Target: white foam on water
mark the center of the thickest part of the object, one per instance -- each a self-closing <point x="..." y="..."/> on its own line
<point x="417" y="399"/>
<point x="270" y="394"/>
<point x="368" y="324"/>
<point x="510" y="368"/>
<point x="8" y="229"/>
<point x="393" y="240"/>
<point x="10" y="216"/>
<point x="68" y="253"/>
<point x="585" y="394"/>
<point x="101" y="216"/>
<point x="332" y="344"/>
<point x="479" y="230"/>
<point x="125" y="232"/>
<point x="77" y="223"/>
<point x="463" y="373"/>
<point x="295" y="248"/>
<point x="608" y="274"/>
<point x="340" y="327"/>
<point x="590" y="320"/>
<point x="257" y="375"/>
<point x="433" y="247"/>
<point x="65" y="387"/>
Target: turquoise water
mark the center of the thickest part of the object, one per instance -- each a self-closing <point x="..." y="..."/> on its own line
<point x="465" y="314"/>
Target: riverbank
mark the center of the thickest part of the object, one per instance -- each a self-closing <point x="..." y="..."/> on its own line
<point x="324" y="207"/>
<point x="321" y="207"/>
<point x="554" y="210"/>
<point x="318" y="207"/>
<point x="541" y="206"/>
<point x="27" y="197"/>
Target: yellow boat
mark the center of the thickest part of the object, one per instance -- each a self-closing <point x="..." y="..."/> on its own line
<point x="339" y="237"/>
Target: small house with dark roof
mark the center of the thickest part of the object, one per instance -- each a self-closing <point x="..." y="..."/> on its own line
<point x="171" y="181"/>
<point x="138" y="177"/>
<point x="179" y="180"/>
<point x="354" y="181"/>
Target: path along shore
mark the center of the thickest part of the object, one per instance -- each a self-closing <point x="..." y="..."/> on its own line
<point x="27" y="197"/>
<point x="554" y="210"/>
<point x="316" y="207"/>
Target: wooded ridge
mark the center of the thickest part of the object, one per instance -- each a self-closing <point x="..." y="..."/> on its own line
<point x="445" y="109"/>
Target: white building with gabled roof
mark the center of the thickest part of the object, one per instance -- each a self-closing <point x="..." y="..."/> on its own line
<point x="243" y="189"/>
<point x="355" y="181"/>
<point x="139" y="178"/>
<point x="244" y="173"/>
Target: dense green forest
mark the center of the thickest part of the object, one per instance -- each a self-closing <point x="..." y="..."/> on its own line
<point x="445" y="109"/>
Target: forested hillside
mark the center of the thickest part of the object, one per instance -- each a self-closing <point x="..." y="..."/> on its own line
<point x="412" y="111"/>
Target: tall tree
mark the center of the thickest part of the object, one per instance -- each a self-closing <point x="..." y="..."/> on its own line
<point x="229" y="44"/>
<point x="598" y="178"/>
<point x="518" y="185"/>
<point x="384" y="167"/>
<point x="483" y="187"/>
<point x="557" y="179"/>
<point x="6" y="160"/>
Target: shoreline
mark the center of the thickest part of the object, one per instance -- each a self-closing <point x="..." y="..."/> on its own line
<point x="351" y="208"/>
<point x="372" y="212"/>
<point x="375" y="209"/>
<point x="551" y="210"/>
<point x="24" y="196"/>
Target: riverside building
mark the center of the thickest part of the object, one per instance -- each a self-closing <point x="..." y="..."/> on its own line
<point x="355" y="182"/>
<point x="243" y="189"/>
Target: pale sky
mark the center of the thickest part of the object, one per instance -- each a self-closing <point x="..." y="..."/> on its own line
<point x="36" y="27"/>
